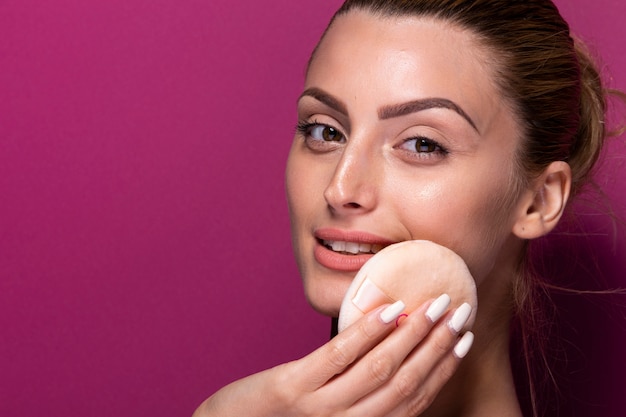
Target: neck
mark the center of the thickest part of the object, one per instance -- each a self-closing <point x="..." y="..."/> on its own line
<point x="483" y="385"/>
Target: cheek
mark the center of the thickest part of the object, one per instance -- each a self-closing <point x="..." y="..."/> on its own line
<point x="298" y="189"/>
<point x="304" y="191"/>
<point x="306" y="180"/>
<point x="294" y="189"/>
<point x="465" y="216"/>
<point x="487" y="230"/>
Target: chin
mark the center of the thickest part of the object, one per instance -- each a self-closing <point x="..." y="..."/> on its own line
<point x="326" y="295"/>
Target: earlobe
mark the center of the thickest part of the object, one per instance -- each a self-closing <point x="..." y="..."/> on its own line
<point x="542" y="206"/>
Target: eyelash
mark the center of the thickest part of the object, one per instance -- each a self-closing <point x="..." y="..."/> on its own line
<point x="438" y="150"/>
<point x="304" y="128"/>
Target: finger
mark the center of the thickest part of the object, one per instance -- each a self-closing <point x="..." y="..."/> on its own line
<point x="436" y="380"/>
<point x="344" y="349"/>
<point x="380" y="364"/>
<point x="413" y="387"/>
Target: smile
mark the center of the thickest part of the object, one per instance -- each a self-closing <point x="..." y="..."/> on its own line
<point x="351" y="248"/>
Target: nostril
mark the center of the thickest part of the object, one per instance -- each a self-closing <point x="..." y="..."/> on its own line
<point x="352" y="205"/>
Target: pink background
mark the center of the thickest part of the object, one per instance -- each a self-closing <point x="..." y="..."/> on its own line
<point x="145" y="256"/>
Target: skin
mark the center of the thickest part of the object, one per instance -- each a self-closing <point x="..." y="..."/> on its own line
<point x="374" y="179"/>
<point x="371" y="183"/>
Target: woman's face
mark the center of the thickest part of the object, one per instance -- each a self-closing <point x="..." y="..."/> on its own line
<point x="402" y="135"/>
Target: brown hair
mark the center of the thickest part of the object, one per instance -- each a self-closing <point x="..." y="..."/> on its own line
<point x="553" y="86"/>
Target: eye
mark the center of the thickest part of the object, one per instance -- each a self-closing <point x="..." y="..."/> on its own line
<point x="422" y="150"/>
<point x="320" y="137"/>
<point x="328" y="133"/>
<point x="423" y="145"/>
<point x="320" y="131"/>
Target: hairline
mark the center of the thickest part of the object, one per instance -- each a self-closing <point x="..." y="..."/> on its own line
<point x="519" y="179"/>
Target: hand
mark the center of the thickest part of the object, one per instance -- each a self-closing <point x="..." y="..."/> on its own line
<point x="372" y="368"/>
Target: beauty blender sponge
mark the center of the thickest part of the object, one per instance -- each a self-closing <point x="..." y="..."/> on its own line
<point x="413" y="271"/>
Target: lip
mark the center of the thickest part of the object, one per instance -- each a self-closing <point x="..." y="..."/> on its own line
<point x="341" y="262"/>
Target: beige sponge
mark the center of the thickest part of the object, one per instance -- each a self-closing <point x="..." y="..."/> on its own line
<point x="413" y="271"/>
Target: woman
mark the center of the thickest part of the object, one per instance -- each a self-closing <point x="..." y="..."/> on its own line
<point x="467" y="123"/>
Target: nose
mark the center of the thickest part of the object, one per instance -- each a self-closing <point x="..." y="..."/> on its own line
<point x="353" y="187"/>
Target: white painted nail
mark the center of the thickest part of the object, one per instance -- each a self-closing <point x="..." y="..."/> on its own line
<point x="438" y="307"/>
<point x="392" y="312"/>
<point x="460" y="317"/>
<point x="370" y="296"/>
<point x="463" y="346"/>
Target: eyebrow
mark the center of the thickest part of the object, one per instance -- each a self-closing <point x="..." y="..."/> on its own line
<point x="327" y="99"/>
<point x="391" y="111"/>
<point x="397" y="110"/>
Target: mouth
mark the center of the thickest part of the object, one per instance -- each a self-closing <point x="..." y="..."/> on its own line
<point x="346" y="250"/>
<point x="351" y="248"/>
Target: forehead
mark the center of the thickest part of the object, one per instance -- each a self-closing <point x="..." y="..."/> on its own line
<point x="393" y="59"/>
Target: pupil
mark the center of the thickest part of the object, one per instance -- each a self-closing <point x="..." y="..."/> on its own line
<point x="330" y="134"/>
<point x="425" y="146"/>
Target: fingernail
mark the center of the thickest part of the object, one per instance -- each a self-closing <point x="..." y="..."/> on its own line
<point x="438" y="307"/>
<point x="370" y="296"/>
<point x="463" y="346"/>
<point x="460" y="317"/>
<point x="392" y="312"/>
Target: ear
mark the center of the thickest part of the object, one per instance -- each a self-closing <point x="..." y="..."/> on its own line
<point x="541" y="206"/>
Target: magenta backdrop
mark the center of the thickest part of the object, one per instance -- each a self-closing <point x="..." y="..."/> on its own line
<point x="145" y="256"/>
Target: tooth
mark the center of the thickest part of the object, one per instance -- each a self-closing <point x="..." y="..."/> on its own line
<point x="376" y="248"/>
<point x="365" y="247"/>
<point x="338" y="246"/>
<point x="352" y="247"/>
